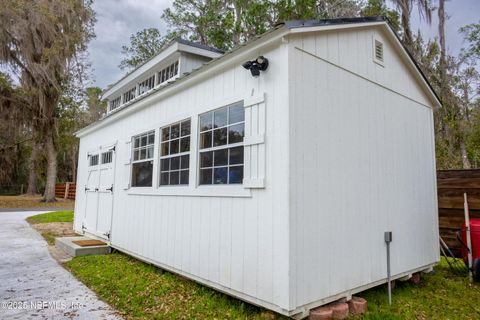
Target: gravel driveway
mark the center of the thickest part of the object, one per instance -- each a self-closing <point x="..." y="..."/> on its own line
<point x="33" y="285"/>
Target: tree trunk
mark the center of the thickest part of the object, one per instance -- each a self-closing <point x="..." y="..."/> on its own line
<point x="74" y="163"/>
<point x="32" y="167"/>
<point x="465" y="162"/>
<point x="405" y="20"/>
<point x="49" y="195"/>
<point x="443" y="67"/>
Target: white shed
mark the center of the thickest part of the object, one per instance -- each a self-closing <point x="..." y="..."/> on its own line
<point x="276" y="189"/>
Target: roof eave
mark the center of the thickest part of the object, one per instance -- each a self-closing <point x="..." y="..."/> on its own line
<point x="210" y="67"/>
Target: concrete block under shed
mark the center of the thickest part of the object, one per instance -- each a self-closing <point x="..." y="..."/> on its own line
<point x="321" y="313"/>
<point x="67" y="245"/>
<point x="357" y="305"/>
<point x="339" y="310"/>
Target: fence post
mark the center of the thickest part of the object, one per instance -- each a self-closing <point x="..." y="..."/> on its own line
<point x="67" y="187"/>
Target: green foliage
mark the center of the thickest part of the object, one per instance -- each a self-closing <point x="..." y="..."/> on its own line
<point x="471" y="34"/>
<point x="473" y="138"/>
<point x="56" y="216"/>
<point x="144" y="45"/>
<point x="379" y="8"/>
<point x="441" y="295"/>
<point x="226" y="24"/>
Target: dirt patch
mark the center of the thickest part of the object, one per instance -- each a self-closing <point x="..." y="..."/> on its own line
<point x="31" y="202"/>
<point x="57" y="228"/>
<point x="51" y="230"/>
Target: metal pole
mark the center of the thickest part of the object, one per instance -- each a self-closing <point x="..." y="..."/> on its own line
<point x="388" y="239"/>
<point x="468" y="235"/>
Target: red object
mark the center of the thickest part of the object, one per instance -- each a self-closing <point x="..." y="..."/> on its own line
<point x="475" y="235"/>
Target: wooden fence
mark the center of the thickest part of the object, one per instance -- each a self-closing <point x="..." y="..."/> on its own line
<point x="65" y="190"/>
<point x="452" y="184"/>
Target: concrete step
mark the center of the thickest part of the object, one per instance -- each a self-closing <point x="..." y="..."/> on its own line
<point x="66" y="244"/>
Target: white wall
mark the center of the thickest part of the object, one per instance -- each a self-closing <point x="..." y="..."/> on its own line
<point x="189" y="61"/>
<point x="231" y="242"/>
<point x="361" y="163"/>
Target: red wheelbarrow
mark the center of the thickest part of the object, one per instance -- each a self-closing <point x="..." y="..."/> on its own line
<point x="475" y="237"/>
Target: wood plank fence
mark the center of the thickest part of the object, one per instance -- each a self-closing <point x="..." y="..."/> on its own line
<point x="451" y="185"/>
<point x="65" y="190"/>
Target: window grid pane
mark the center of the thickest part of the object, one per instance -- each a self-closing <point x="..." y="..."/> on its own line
<point x="93" y="160"/>
<point x="142" y="166"/>
<point x="143" y="146"/>
<point x="174" y="157"/>
<point x="107" y="157"/>
<point x="221" y="163"/>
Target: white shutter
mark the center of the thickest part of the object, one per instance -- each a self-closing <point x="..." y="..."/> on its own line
<point x="254" y="142"/>
<point x="127" y="164"/>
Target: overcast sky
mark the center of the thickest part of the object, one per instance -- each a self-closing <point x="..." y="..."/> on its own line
<point x="118" y="19"/>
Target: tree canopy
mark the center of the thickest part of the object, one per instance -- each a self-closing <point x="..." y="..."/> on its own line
<point x="39" y="40"/>
<point x="144" y="45"/>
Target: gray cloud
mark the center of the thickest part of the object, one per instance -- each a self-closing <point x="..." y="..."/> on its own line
<point x="116" y="21"/>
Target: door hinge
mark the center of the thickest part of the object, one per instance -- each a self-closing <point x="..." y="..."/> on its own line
<point x="86" y="188"/>
<point x="107" y="234"/>
<point x="113" y="148"/>
<point x="110" y="189"/>
<point x="83" y="225"/>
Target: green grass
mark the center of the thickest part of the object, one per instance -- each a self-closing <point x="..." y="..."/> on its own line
<point x="142" y="291"/>
<point x="56" y="216"/>
<point x="440" y="295"/>
<point x="49" y="237"/>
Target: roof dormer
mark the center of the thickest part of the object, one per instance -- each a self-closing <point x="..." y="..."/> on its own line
<point x="179" y="57"/>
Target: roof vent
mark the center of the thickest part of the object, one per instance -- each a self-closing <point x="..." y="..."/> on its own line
<point x="378" y="48"/>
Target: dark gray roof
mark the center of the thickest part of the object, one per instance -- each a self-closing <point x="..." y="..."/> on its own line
<point x="198" y="45"/>
<point x="330" y="22"/>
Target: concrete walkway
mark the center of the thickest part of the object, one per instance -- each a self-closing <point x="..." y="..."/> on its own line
<point x="33" y="285"/>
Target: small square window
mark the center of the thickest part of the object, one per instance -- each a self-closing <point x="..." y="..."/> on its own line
<point x="206" y="122"/>
<point x="93" y="160"/>
<point x="220" y="118"/>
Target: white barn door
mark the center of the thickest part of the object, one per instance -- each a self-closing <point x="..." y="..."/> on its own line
<point x="99" y="192"/>
<point x="91" y="198"/>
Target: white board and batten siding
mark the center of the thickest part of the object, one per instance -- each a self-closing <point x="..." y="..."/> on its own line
<point x="338" y="149"/>
<point x="231" y="237"/>
<point x="362" y="162"/>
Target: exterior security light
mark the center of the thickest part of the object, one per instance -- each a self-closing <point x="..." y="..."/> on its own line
<point x="257" y="65"/>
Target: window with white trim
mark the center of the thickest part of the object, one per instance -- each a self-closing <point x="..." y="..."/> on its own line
<point x="93" y="160"/>
<point x="129" y="95"/>
<point x="221" y="145"/>
<point x="114" y="104"/>
<point x="146" y="85"/>
<point x="168" y="72"/>
<point x="107" y="157"/>
<point x="142" y="164"/>
<point x="175" y="154"/>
